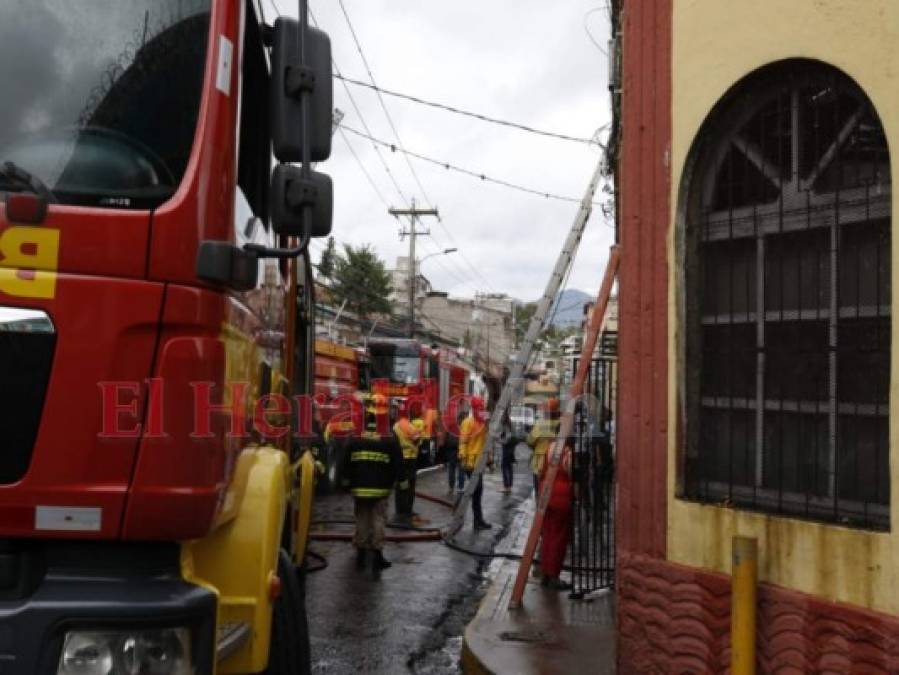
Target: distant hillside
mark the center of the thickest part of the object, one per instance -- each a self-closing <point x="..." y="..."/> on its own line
<point x="569" y="307"/>
<point x="567" y="310"/>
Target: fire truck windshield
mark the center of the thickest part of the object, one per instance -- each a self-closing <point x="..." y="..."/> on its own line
<point x="100" y="99"/>
<point x="395" y="364"/>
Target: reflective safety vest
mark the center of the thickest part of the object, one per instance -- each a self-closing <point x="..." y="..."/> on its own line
<point x="371" y="465"/>
<point x="472" y="436"/>
<point x="540" y="438"/>
<point x="409" y="435"/>
<point x="338" y="429"/>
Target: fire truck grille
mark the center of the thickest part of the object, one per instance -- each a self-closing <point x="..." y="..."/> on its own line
<point x="27" y="342"/>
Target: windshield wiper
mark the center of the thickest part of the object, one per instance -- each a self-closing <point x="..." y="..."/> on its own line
<point x="16" y="175"/>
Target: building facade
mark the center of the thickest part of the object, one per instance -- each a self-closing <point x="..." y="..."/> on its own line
<point x="757" y="359"/>
<point x="399" y="286"/>
<point x="484" y="325"/>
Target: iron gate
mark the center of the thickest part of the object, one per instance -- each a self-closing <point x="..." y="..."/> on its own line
<point x="591" y="554"/>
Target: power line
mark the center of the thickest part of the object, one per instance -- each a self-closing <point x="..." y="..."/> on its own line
<point x="362" y="167"/>
<point x="384" y="163"/>
<point x="397" y="135"/>
<point x="365" y="126"/>
<point x="319" y="247"/>
<point x="587" y="27"/>
<point x="371" y="77"/>
<point x="467" y="113"/>
<point x="451" y="273"/>
<point x="467" y="172"/>
<point x="390" y="174"/>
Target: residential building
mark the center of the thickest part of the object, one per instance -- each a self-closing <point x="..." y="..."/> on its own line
<point x="756" y="377"/>
<point x="483" y="324"/>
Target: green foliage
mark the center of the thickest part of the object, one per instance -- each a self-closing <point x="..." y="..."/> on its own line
<point x="361" y="278"/>
<point x="328" y="259"/>
<point x="523" y="314"/>
<point x="549" y="338"/>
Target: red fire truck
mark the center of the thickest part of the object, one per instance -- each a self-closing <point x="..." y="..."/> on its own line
<point x="403" y="368"/>
<point x="152" y="268"/>
<point x="341" y="372"/>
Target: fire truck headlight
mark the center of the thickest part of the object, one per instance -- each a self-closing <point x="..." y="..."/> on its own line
<point x="163" y="651"/>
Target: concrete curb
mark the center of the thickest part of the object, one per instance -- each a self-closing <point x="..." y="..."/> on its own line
<point x="549" y="635"/>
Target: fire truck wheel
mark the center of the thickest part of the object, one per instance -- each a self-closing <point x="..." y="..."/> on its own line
<point x="289" y="654"/>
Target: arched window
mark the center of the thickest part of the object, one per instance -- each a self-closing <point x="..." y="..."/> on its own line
<point x="785" y="240"/>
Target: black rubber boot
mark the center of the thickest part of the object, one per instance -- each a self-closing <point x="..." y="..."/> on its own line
<point x="482" y="525"/>
<point x="379" y="562"/>
<point x="361" y="558"/>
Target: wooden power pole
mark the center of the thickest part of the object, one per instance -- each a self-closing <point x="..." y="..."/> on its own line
<point x="414" y="214"/>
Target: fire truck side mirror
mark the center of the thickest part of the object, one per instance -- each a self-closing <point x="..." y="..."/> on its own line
<point x="290" y="192"/>
<point x="290" y="82"/>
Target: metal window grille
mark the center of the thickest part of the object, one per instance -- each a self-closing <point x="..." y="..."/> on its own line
<point x="787" y="252"/>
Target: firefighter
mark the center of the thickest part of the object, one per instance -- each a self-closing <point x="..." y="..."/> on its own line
<point x="409" y="431"/>
<point x="541" y="437"/>
<point x="372" y="466"/>
<point x="472" y="436"/>
<point x="557" y="521"/>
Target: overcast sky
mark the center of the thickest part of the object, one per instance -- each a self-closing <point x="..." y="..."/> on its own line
<point x="531" y="62"/>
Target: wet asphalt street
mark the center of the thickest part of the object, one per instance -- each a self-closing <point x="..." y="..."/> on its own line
<point x="411" y="620"/>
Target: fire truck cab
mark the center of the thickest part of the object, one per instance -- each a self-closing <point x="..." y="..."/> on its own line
<point x="154" y="286"/>
<point x="405" y="369"/>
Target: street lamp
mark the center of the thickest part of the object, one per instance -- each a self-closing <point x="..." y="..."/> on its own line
<point x="412" y="281"/>
<point x="445" y="251"/>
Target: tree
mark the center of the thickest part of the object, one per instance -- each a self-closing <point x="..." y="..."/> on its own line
<point x="523" y="314"/>
<point x="361" y="279"/>
<point x="327" y="260"/>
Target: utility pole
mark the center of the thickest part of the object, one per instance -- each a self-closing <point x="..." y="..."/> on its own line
<point x="414" y="214"/>
<point x="488" y="347"/>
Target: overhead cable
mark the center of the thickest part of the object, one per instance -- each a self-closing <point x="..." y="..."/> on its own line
<point x="474" y="174"/>
<point x="399" y="141"/>
<point x="371" y="181"/>
<point x="466" y="113"/>
<point x="374" y="84"/>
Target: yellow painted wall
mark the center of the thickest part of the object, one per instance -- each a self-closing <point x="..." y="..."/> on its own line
<point x="715" y="44"/>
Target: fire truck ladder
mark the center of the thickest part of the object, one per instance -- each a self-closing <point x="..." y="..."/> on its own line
<point x="523" y="357"/>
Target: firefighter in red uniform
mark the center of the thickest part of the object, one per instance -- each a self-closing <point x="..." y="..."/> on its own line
<point x="556" y="521"/>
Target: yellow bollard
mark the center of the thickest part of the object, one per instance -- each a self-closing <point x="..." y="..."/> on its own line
<point x="744" y="580"/>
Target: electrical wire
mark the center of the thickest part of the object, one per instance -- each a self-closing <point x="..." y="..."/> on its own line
<point x="396" y="134"/>
<point x="466" y="113"/>
<point x="587" y="27"/>
<point x="390" y="174"/>
<point x="365" y="126"/>
<point x="362" y="167"/>
<point x="474" y="174"/>
<point x="371" y="77"/>
<point x="319" y="248"/>
<point x="377" y="149"/>
<point x="471" y="267"/>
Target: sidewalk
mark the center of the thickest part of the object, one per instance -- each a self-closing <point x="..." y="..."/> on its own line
<point x="550" y="634"/>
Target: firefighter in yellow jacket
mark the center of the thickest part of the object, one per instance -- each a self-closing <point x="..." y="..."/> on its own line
<point x="472" y="437"/>
<point x="541" y="437"/>
<point x="409" y="432"/>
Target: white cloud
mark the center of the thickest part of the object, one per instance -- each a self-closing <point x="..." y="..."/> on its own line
<point x="529" y="62"/>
